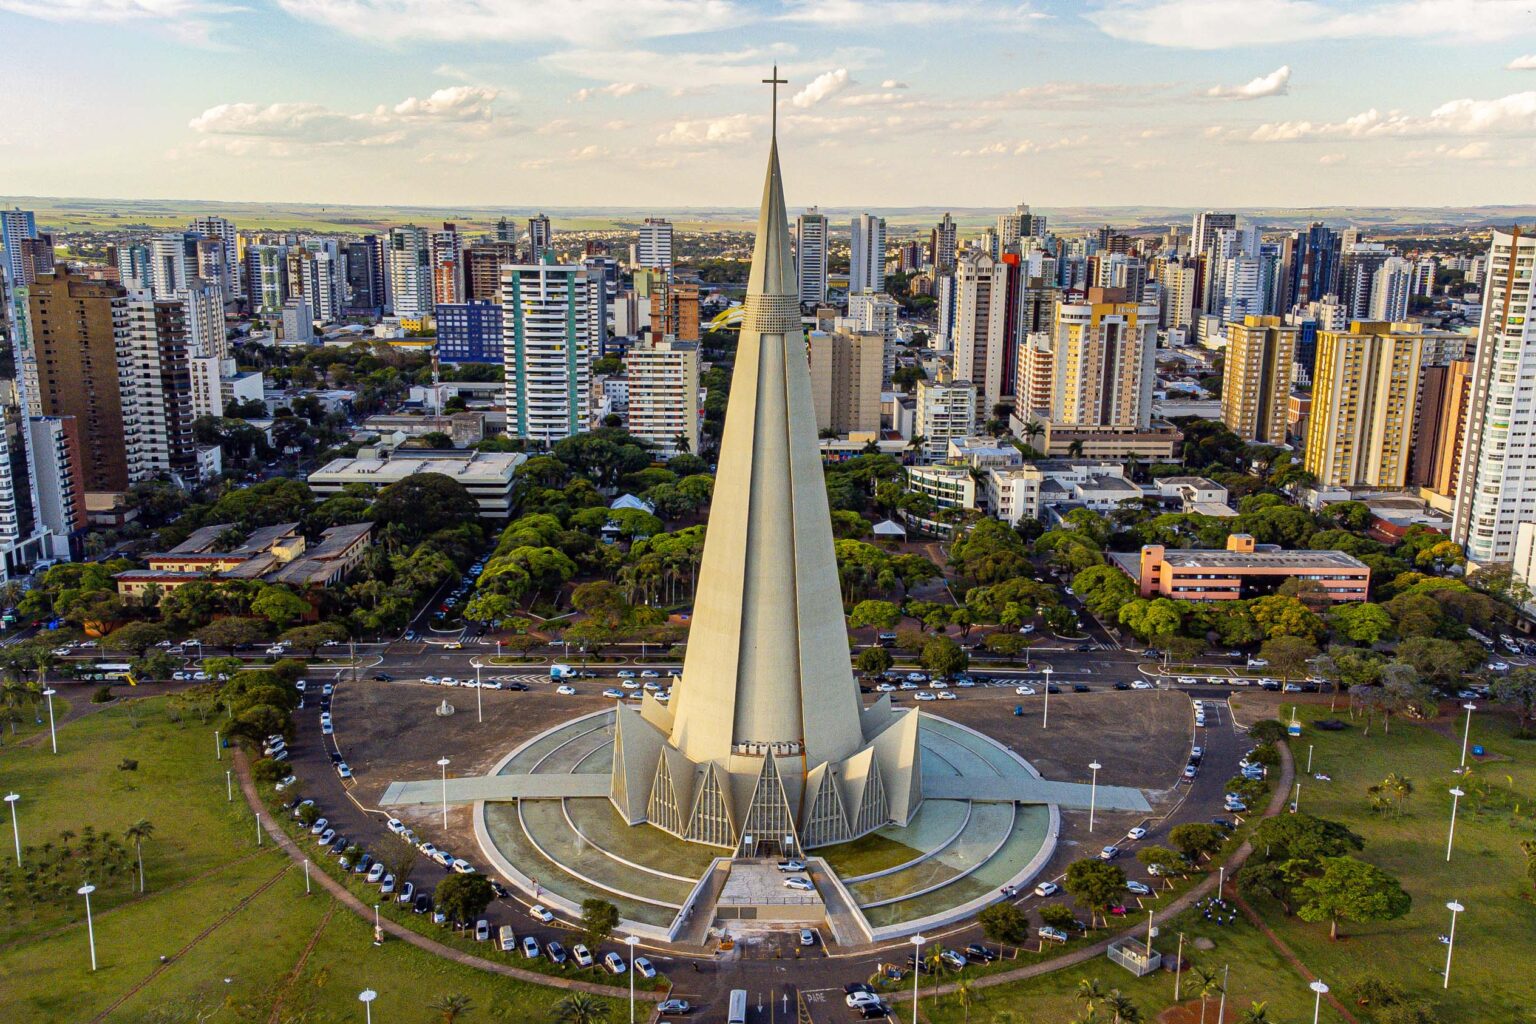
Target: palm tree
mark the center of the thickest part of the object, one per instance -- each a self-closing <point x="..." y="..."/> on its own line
<point x="965" y="992"/>
<point x="1257" y="1013"/>
<point x="1120" y="1005"/>
<point x="1400" y="787"/>
<point x="1208" y="983"/>
<point x="1089" y="993"/>
<point x="449" y="1007"/>
<point x="136" y="834"/>
<point x="1075" y="449"/>
<point x="580" y="1008"/>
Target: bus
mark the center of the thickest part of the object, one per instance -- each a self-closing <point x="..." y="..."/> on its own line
<point x="103" y="671"/>
<point x="738" y="1009"/>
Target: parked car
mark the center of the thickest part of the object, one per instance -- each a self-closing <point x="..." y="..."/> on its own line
<point x="643" y="968"/>
<point x="1049" y="934"/>
<point x="1137" y="833"/>
<point x="408" y="893"/>
<point x="1109" y="853"/>
<point x="673" y="1007"/>
<point x="799" y="884"/>
<point x="482" y="930"/>
<point x="583" y="957"/>
<point x="530" y="947"/>
<point x="1024" y="691"/>
<point x="538" y="912"/>
<point x="1139" y="888"/>
<point x="507" y="939"/>
<point x="791" y="865"/>
<point x="1047" y="889"/>
<point x="614" y="963"/>
<point x="555" y="952"/>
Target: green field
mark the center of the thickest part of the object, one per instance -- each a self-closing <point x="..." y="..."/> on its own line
<point x="244" y="943"/>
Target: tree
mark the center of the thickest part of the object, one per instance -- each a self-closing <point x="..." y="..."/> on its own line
<point x="1352" y="890"/>
<point x="462" y="898"/>
<point x="880" y="614"/>
<point x="1096" y="884"/>
<point x="1058" y="915"/>
<point x="580" y="1008"/>
<point x="1165" y="861"/>
<point x="602" y="602"/>
<point x="598" y="920"/>
<point x="312" y="638"/>
<point x="422" y="504"/>
<point x="232" y="633"/>
<point x="136" y="834"/>
<point x="450" y="1007"/>
<point x="279" y="606"/>
<point x="1288" y="655"/>
<point x="1278" y="615"/>
<point x="136" y="637"/>
<point x="943" y="657"/>
<point x="1195" y="838"/>
<point x="1516" y="690"/>
<point x="1361" y="621"/>
<point x="1004" y="923"/>
<point x="874" y="660"/>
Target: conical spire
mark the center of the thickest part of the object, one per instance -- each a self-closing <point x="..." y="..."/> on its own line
<point x="767" y="661"/>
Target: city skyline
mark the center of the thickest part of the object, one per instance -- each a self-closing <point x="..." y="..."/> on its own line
<point x="970" y="102"/>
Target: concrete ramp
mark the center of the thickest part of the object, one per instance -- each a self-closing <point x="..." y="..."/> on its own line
<point x="496" y="787"/>
<point x="1020" y="789"/>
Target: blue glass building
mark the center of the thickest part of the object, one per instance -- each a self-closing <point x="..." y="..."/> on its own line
<point x="469" y="332"/>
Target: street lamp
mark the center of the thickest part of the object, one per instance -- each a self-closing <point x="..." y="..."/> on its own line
<point x="229" y="786"/>
<point x="1093" y="793"/>
<point x="1317" y="1004"/>
<point x="442" y="763"/>
<point x="367" y="996"/>
<point x="1045" y="716"/>
<point x="1466" y="732"/>
<point x="1456" y="794"/>
<point x="11" y="799"/>
<point x="1296" y="800"/>
<point x="917" y="965"/>
<point x="479" y="713"/>
<point x="90" y="926"/>
<point x="52" y="735"/>
<point x="631" y="941"/>
<point x="1450" y="945"/>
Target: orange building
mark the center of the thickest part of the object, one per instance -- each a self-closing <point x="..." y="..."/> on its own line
<point x="1243" y="570"/>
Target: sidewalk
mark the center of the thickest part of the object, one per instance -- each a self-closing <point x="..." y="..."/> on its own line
<point x="352" y="903"/>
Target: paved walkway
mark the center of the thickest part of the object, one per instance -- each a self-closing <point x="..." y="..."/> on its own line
<point x="352" y="903"/>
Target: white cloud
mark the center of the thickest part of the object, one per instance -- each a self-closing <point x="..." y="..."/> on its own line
<point x="1526" y="63"/>
<point x="679" y="70"/>
<point x="468" y="108"/>
<point x="877" y="99"/>
<point x="617" y="90"/>
<point x="1514" y="114"/>
<point x="1220" y="24"/>
<point x="456" y="103"/>
<point x="710" y="132"/>
<point x="823" y="86"/>
<point x="1329" y="159"/>
<point x="1469" y="151"/>
<point x="188" y="20"/>
<point x="1276" y="83"/>
<point x="516" y="21"/>
<point x="863" y="13"/>
<point x="891" y="83"/>
<point x="559" y="126"/>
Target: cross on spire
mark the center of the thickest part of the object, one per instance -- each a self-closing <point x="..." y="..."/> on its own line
<point x="775" y="81"/>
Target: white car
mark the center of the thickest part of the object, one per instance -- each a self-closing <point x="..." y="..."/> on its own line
<point x="1024" y="691"/>
<point x="1136" y="833"/>
<point x="538" y="912"/>
<point x="582" y="954"/>
<point x="388" y="886"/>
<point x="800" y="884"/>
<point x="924" y="696"/>
<point x="946" y="695"/>
<point x="626" y="673"/>
<point x="886" y="688"/>
<point x="301" y="685"/>
<point x="290" y="780"/>
<point x="1138" y="888"/>
<point x="1188" y="681"/>
<point x="376" y="874"/>
<point x="463" y="866"/>
<point x="1216" y="680"/>
<point x="1047" y="889"/>
<point x="650" y="673"/>
<point x="395" y="825"/>
<point x="630" y="684"/>
<point x="614" y="963"/>
<point x="1141" y="684"/>
<point x="566" y="690"/>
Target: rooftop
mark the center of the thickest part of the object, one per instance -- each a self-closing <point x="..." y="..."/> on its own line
<point x="1262" y="559"/>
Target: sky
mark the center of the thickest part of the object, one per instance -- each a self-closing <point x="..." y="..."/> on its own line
<point x="659" y="103"/>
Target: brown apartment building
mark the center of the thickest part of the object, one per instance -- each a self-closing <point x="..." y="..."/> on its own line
<point x="76" y="323"/>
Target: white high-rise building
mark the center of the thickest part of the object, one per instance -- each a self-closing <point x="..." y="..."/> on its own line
<point x="16" y="226"/>
<point x="945" y="410"/>
<point x="981" y="303"/>
<point x="409" y="255"/>
<point x="546" y="342"/>
<point x="267" y="278"/>
<point x="447" y="265"/>
<point x="944" y="245"/>
<point x="877" y="313"/>
<point x="664" y="394"/>
<point x="1242" y="292"/>
<point x="224" y="230"/>
<point x="1391" y="286"/>
<point x="655" y="246"/>
<point x="1203" y="232"/>
<point x="866" y="260"/>
<point x="173" y="264"/>
<point x="811" y="256"/>
<point x="1498" y="489"/>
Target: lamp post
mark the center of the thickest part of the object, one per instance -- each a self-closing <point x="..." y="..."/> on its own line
<point x="1309" y="758"/>
<point x="1296" y="800"/>
<point x="631" y="941"/>
<point x="1317" y="1004"/>
<point x="1466" y="732"/>
<point x="479" y="711"/>
<point x="366" y="997"/>
<point x="11" y="799"/>
<point x="229" y="786"/>
<point x="218" y="749"/>
<point x="1456" y="794"/>
<point x="442" y="763"/>
<point x="258" y="828"/>
<point x="917" y="962"/>
<point x="1450" y="946"/>
<point x="90" y="926"/>
<point x="53" y="736"/>
<point x="1045" y="717"/>
<point x="306" y="876"/>
<point x="1093" y="793"/>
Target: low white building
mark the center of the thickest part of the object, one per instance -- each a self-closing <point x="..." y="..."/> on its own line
<point x="488" y="476"/>
<point x="1027" y="491"/>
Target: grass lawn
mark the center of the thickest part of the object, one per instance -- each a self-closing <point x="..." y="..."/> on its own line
<point x="1486" y="872"/>
<point x="867" y="854"/>
<point x="205" y="896"/>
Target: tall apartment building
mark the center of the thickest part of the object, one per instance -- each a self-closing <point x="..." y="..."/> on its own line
<point x="846" y="374"/>
<point x="1202" y="235"/>
<point x="944" y="244"/>
<point x="24" y="536"/>
<point x="53" y="443"/>
<point x="27" y="253"/>
<point x="1357" y="274"/>
<point x="1440" y="431"/>
<point x="547" y="352"/>
<point x="1311" y="263"/>
<point x="173" y="262"/>
<point x="155" y="383"/>
<point x="1105" y="351"/>
<point x="675" y="311"/>
<point x="878" y="313"/>
<point x="866" y="254"/>
<point x="77" y="326"/>
<point x="979" y="335"/>
<point x="664" y="394"/>
<point x="811" y="256"/>
<point x="1391" y="287"/>
<point x="485" y="260"/>
<point x="1179" y="300"/>
<point x="541" y="238"/>
<point x="229" y="238"/>
<point x="945" y="410"/>
<point x="1257" y="381"/>
<point x="1016" y="225"/>
<point x="364" y="284"/>
<point x="1364" y="399"/>
<point x="447" y="264"/>
<point x="654" y="249"/>
<point x="1035" y="376"/>
<point x="1499" y="458"/>
<point x="266" y="278"/>
<point x="409" y="255"/>
<point x="469" y="332"/>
